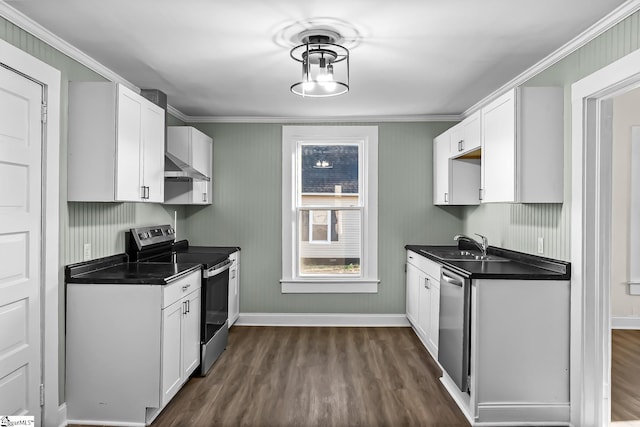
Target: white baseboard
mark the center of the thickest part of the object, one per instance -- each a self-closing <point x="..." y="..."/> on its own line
<point x="322" y="319"/>
<point x="62" y="415"/>
<point x="625" y="322"/>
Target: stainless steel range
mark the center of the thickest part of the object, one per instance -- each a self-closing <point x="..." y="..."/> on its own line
<point x="157" y="244"/>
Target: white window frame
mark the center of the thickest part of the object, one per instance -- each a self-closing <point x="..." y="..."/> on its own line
<point x="368" y="281"/>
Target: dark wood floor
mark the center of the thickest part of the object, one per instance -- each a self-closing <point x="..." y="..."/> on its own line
<point x="303" y="377"/>
<point x="625" y="377"/>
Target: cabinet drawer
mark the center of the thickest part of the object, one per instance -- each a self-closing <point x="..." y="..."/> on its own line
<point x="431" y="268"/>
<point x="181" y="287"/>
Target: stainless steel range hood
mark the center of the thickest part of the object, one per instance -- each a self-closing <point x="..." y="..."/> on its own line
<point x="179" y="170"/>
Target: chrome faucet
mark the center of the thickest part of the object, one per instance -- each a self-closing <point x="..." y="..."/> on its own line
<point x="481" y="246"/>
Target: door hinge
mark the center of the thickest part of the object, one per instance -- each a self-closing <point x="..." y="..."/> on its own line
<point x="41" y="394"/>
<point x="43" y="114"/>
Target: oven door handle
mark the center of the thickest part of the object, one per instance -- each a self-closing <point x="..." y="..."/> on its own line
<point x="211" y="272"/>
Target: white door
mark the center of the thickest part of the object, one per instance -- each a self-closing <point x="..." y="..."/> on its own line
<point x="20" y="244"/>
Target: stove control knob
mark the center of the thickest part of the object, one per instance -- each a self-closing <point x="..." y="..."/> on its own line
<point x="170" y="231"/>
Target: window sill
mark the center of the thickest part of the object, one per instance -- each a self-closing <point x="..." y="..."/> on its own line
<point x="361" y="286"/>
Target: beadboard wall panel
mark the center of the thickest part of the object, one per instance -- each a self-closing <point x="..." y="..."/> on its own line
<point x="518" y="227"/>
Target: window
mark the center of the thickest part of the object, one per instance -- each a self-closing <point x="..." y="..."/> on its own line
<point x="329" y="209"/>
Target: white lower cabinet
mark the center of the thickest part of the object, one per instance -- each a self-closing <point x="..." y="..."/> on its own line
<point x="423" y="299"/>
<point x="234" y="288"/>
<point x="129" y="348"/>
<point x="519" y="352"/>
<point x="180" y="340"/>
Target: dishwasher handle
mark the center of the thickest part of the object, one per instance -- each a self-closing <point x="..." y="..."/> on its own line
<point x="451" y="280"/>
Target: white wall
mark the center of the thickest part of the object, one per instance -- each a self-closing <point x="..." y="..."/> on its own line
<point x="626" y="113"/>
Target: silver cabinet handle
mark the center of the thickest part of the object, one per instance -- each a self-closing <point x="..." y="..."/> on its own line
<point x="204" y="197"/>
<point x="188" y="306"/>
<point x="480" y="194"/>
<point x="184" y="307"/>
<point x="185" y="287"/>
<point x="451" y="280"/>
<point x="446" y="197"/>
<point x="426" y="283"/>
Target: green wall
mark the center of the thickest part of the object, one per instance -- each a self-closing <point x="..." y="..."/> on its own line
<point x="519" y="226"/>
<point x="246" y="211"/>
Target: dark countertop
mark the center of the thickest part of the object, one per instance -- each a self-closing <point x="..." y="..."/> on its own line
<point x="117" y="269"/>
<point x="520" y="266"/>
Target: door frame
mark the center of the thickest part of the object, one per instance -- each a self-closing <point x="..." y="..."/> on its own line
<point x="591" y="235"/>
<point x="50" y="290"/>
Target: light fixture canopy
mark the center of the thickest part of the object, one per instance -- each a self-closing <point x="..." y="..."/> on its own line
<point x="325" y="64"/>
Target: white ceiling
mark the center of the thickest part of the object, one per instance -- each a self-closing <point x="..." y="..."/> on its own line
<point x="231" y="58"/>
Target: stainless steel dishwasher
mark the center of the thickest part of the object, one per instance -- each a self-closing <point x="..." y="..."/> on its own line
<point x="455" y="316"/>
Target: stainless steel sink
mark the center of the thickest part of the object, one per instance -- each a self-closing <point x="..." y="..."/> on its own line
<point x="461" y="255"/>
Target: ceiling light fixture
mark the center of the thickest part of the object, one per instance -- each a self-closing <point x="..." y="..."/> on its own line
<point x="325" y="64"/>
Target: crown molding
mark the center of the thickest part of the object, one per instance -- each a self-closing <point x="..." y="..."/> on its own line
<point x="603" y="25"/>
<point x="32" y="27"/>
<point x="178" y="114"/>
<point x="332" y="119"/>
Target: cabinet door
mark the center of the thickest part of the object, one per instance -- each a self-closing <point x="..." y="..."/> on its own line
<point x="171" y="350"/>
<point x="152" y="135"/>
<point x="234" y="306"/>
<point x="499" y="150"/>
<point x="201" y="152"/>
<point x="472" y="133"/>
<point x="412" y="293"/>
<point x="424" y="301"/>
<point x="191" y="334"/>
<point x="466" y="136"/>
<point x="434" y="317"/>
<point x="441" y="169"/>
<point x="128" y="148"/>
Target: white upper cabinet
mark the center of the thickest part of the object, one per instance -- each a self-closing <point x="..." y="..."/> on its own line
<point x="456" y="164"/>
<point x="466" y="136"/>
<point x="116" y="145"/>
<point x="195" y="149"/>
<point x="441" y="169"/>
<point x="522" y="147"/>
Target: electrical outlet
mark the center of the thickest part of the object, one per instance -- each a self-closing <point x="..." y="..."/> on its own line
<point x="540" y="245"/>
<point x="86" y="255"/>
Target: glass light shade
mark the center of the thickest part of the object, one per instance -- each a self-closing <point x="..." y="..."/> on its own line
<point x="325" y="68"/>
